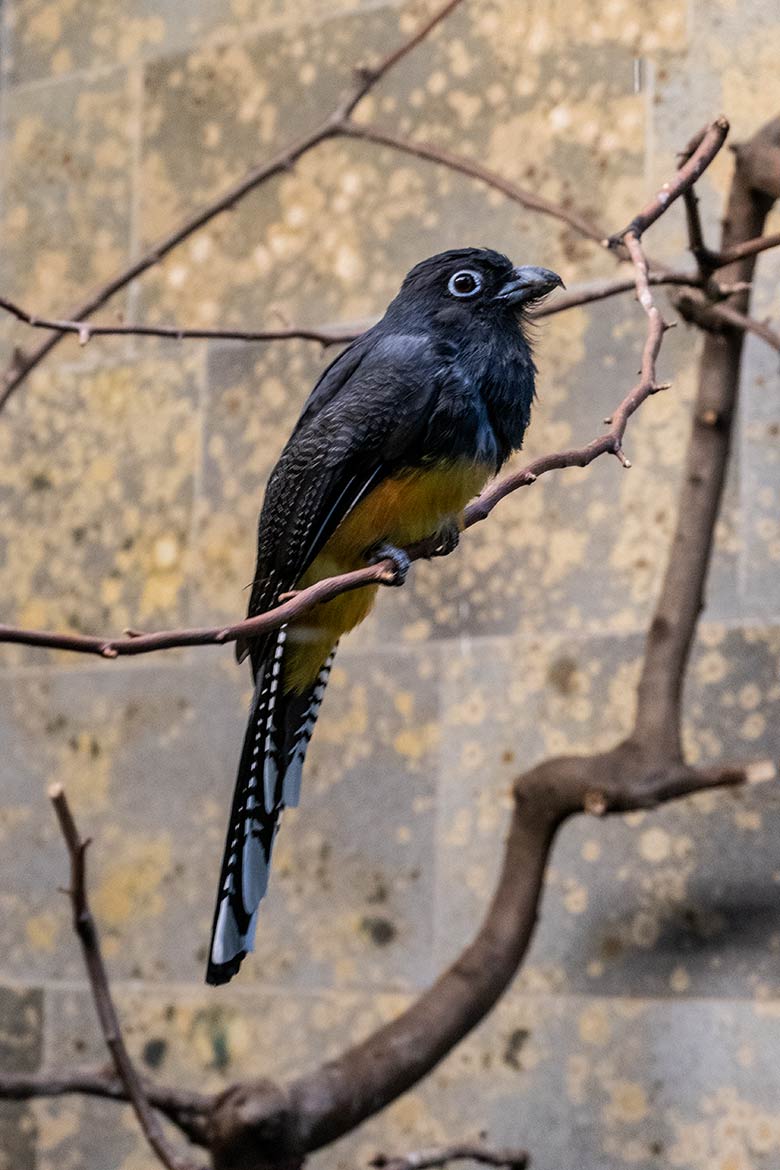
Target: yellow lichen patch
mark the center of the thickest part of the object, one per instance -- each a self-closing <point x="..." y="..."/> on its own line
<point x="654" y="845"/>
<point x="594" y="1026"/>
<point x="42" y="931"/>
<point x="416" y="742"/>
<point x="131" y="887"/>
<point x="628" y="1102"/>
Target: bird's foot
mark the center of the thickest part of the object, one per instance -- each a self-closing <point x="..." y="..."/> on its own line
<point x="447" y="538"/>
<point x="389" y="552"/>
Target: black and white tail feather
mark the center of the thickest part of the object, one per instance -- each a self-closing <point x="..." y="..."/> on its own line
<point x="269" y="780"/>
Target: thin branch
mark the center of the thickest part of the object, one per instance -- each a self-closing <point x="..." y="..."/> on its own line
<point x="187" y="1110"/>
<point x="466" y="166"/>
<point x="701" y="253"/>
<point x="327" y="335"/>
<point x="458" y="1152"/>
<point x="718" y="316"/>
<point x="749" y="248"/>
<point x="709" y="142"/>
<point x="732" y="316"/>
<point x="600" y="290"/>
<point x="381" y="573"/>
<point x="368" y="76"/>
<point x="84" y="925"/>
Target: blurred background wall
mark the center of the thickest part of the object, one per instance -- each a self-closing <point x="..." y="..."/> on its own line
<point x="644" y="1030"/>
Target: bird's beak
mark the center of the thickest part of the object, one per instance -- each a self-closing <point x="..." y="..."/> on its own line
<point x="528" y="284"/>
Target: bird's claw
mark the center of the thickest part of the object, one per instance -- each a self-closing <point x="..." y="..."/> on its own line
<point x="389" y="552"/>
<point x="447" y="538"/>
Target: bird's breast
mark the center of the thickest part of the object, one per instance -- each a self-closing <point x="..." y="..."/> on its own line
<point x="401" y="510"/>
<point x="407" y="507"/>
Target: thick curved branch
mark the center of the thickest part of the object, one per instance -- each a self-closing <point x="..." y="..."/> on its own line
<point x="255" y="1125"/>
<point x="84" y="926"/>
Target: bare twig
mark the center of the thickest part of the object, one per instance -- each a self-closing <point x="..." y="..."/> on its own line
<point x="326" y="335"/>
<point x="187" y="1110"/>
<point x="701" y="253"/>
<point x="474" y="170"/>
<point x="84" y="925"/>
<point x="721" y="315"/>
<point x="749" y="248"/>
<point x="303" y="600"/>
<point x="708" y="143"/>
<point x="458" y="1152"/>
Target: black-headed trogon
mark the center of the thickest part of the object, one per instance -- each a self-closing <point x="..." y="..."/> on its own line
<point x="400" y="431"/>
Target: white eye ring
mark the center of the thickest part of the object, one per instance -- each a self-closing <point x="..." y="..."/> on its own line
<point x="470" y="283"/>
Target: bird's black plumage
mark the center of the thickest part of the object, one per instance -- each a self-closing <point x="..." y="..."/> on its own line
<point x="445" y="379"/>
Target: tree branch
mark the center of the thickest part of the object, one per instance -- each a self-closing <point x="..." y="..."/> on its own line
<point x="187" y="1110"/>
<point x="749" y="248"/>
<point x="84" y="925"/>
<point x="458" y="1152"/>
<point x="326" y="335"/>
<point x="703" y="148"/>
<point x="717" y="317"/>
<point x="473" y="170"/>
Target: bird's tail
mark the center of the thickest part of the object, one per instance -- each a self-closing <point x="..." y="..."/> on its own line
<point x="269" y="779"/>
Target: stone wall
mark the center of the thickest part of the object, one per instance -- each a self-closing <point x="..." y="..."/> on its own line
<point x="644" y="1030"/>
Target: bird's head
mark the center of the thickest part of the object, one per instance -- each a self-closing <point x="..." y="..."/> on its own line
<point x="465" y="284"/>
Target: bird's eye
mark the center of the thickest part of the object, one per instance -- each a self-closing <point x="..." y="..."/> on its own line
<point x="465" y="283"/>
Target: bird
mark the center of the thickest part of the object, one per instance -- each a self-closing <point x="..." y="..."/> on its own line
<point x="401" y="430"/>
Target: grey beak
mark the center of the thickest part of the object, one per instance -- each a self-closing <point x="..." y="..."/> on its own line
<point x="528" y="284"/>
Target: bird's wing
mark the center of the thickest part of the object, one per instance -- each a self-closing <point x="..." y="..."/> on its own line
<point x="362" y="417"/>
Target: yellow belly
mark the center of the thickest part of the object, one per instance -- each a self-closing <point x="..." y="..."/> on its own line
<point x="400" y="510"/>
